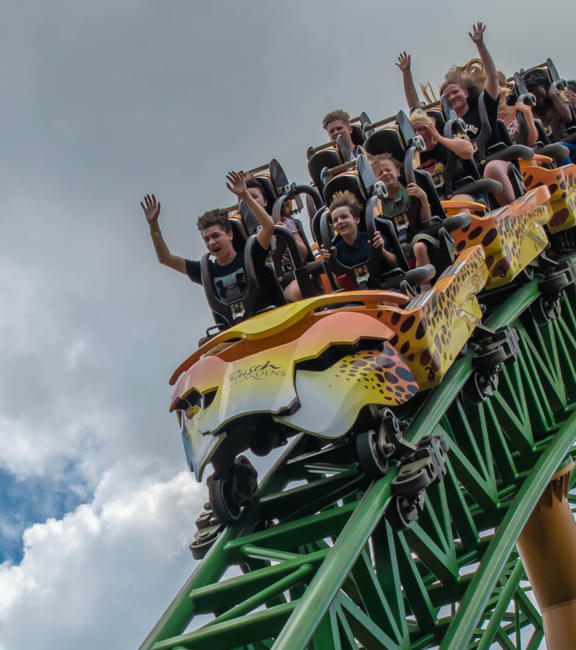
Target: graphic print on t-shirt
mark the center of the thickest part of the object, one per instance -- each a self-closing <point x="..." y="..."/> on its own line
<point x="436" y="169"/>
<point x="401" y="223"/>
<point x="232" y="286"/>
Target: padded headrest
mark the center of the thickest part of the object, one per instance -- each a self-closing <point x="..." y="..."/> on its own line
<point x="385" y="141"/>
<point x="348" y="181"/>
<point x="325" y="158"/>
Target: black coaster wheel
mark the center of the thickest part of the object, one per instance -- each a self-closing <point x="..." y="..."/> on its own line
<point x="209" y="527"/>
<point x="554" y="284"/>
<point x="223" y="500"/>
<point x="546" y="309"/>
<point x="403" y="510"/>
<point x="490" y="358"/>
<point x="410" y="482"/>
<point x="229" y="493"/>
<point x="482" y="386"/>
<point x="372" y="461"/>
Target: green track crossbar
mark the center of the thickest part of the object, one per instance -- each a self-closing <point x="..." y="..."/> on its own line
<point x="315" y="563"/>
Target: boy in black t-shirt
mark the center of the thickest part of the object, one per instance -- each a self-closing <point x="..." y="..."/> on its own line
<point x="227" y="269"/>
<point x="352" y="246"/>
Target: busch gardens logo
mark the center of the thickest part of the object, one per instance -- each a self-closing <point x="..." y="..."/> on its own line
<point x="258" y="371"/>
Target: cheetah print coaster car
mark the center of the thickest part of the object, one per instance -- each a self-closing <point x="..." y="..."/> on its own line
<point x="512" y="236"/>
<point x="432" y="328"/>
<point x="561" y="183"/>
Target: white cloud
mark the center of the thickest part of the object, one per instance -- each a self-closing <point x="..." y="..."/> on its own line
<point x="44" y="442"/>
<point x="102" y="575"/>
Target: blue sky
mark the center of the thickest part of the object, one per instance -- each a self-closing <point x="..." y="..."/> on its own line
<point x="25" y="502"/>
<point x="101" y="104"/>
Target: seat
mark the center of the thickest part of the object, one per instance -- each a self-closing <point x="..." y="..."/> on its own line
<point x="386" y="140"/>
<point x="366" y="274"/>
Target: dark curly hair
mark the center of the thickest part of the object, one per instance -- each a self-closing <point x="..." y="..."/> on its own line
<point x="214" y="218"/>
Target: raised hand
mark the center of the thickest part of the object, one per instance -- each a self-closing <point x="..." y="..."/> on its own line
<point x="477" y="34"/>
<point x="434" y="131"/>
<point x="151" y="208"/>
<point x="403" y="61"/>
<point x="236" y="183"/>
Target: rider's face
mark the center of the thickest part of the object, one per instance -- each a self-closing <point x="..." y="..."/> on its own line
<point x="457" y="97"/>
<point x="257" y="194"/>
<point x="218" y="242"/>
<point x="339" y="127"/>
<point x="344" y="222"/>
<point x="387" y="172"/>
<point x="421" y="127"/>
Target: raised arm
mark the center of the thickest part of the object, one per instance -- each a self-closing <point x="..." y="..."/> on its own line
<point x="477" y="36"/>
<point x="237" y="185"/>
<point x="410" y="91"/>
<point x="151" y="209"/>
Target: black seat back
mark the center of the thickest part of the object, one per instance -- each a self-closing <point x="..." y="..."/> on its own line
<point x="329" y="157"/>
<point x="284" y="242"/>
<point x="387" y="140"/>
<point x="350" y="181"/>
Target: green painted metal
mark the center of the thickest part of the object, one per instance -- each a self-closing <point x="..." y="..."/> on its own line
<point x="318" y="564"/>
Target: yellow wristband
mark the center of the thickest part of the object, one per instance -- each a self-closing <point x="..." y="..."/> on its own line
<point x="155" y="234"/>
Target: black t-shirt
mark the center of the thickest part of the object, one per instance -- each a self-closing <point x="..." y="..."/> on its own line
<point x="434" y="161"/>
<point x="353" y="254"/>
<point x="230" y="282"/>
<point x="473" y="122"/>
<point x="357" y="253"/>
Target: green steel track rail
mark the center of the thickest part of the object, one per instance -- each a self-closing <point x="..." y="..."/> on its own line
<point x="316" y="564"/>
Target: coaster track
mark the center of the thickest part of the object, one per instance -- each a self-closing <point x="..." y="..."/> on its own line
<point x="317" y="562"/>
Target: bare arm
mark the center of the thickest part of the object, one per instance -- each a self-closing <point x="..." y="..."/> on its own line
<point x="302" y="248"/>
<point x="378" y="242"/>
<point x="151" y="209"/>
<point x="237" y="185"/>
<point x="477" y="36"/>
<point x="462" y="147"/>
<point x="410" y="91"/>
<point x="562" y="107"/>
<point x="532" y="136"/>
<point x="420" y="194"/>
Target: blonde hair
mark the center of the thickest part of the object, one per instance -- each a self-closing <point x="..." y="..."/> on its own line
<point x="419" y="115"/>
<point x="384" y="157"/>
<point x="470" y="76"/>
<point x="346" y="199"/>
<point x="338" y="114"/>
